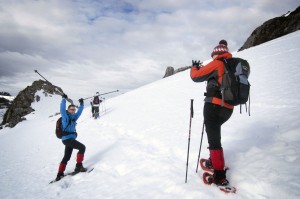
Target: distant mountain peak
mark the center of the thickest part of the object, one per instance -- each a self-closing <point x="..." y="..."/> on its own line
<point x="21" y="105"/>
<point x="274" y="28"/>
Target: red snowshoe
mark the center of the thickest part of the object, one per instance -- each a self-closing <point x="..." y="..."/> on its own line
<point x="206" y="165"/>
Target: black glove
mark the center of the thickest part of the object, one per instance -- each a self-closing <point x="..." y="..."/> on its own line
<point x="196" y="64"/>
<point x="65" y="96"/>
<point x="80" y="101"/>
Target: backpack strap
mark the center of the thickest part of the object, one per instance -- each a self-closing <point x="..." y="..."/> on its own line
<point x="69" y="123"/>
<point x="225" y="71"/>
<point x="246" y="106"/>
<point x="249" y="104"/>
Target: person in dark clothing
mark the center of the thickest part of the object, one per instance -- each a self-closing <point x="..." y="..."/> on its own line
<point x="95" y="105"/>
<point x="215" y="112"/>
<point x="69" y="119"/>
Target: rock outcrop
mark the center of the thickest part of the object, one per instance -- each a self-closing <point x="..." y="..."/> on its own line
<point x="274" y="28"/>
<point x="169" y="71"/>
<point x="21" y="105"/>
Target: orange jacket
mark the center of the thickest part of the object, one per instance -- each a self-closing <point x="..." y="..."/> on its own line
<point x="213" y="70"/>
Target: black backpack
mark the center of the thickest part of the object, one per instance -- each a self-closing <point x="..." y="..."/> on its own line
<point x="235" y="87"/>
<point x="58" y="130"/>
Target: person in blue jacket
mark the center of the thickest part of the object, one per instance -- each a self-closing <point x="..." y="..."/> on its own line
<point x="69" y="118"/>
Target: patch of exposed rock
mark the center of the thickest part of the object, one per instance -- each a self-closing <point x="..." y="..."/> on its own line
<point x="21" y="105"/>
<point x="274" y="28"/>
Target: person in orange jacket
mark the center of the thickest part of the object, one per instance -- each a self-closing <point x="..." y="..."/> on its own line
<point x="215" y="112"/>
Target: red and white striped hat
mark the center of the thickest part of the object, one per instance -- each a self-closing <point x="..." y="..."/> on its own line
<point x="220" y="49"/>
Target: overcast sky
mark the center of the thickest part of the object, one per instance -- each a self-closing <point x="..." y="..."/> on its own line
<point x="86" y="46"/>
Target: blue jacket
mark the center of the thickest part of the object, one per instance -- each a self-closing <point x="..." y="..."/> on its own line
<point x="68" y="120"/>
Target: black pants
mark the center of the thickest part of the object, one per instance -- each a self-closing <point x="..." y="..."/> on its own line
<point x="214" y="117"/>
<point x="96" y="112"/>
<point x="71" y="144"/>
<point x="96" y="109"/>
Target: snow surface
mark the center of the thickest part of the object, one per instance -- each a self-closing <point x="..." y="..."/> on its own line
<point x="10" y="98"/>
<point x="139" y="145"/>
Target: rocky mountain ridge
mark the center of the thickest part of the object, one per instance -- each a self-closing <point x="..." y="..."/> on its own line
<point x="274" y="28"/>
<point x="21" y="105"/>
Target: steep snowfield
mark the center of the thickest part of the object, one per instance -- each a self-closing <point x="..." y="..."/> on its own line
<point x="139" y="145"/>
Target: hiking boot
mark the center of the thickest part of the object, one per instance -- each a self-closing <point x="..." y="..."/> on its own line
<point x="59" y="176"/>
<point x="208" y="164"/>
<point x="219" y="178"/>
<point x="80" y="168"/>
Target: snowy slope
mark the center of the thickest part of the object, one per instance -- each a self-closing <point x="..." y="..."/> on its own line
<point x="139" y="145"/>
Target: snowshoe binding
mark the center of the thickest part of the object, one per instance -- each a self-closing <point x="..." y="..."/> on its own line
<point x="206" y="165"/>
<point x="222" y="184"/>
<point x="59" y="176"/>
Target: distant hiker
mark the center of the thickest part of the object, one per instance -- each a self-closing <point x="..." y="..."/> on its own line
<point x="69" y="119"/>
<point x="215" y="112"/>
<point x="95" y="105"/>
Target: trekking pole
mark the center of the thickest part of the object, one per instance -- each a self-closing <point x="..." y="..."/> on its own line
<point x="187" y="159"/>
<point x="48" y="81"/>
<point x="61" y="93"/>
<point x="101" y="94"/>
<point x="200" y="147"/>
<point x="104" y="105"/>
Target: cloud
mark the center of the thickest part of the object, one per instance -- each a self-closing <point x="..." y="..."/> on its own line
<point x="118" y="44"/>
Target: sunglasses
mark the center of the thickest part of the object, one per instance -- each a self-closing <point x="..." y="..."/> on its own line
<point x="72" y="109"/>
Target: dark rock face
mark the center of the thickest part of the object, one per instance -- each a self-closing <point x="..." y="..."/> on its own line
<point x="273" y="29"/>
<point x="4" y="93"/>
<point x="21" y="105"/>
